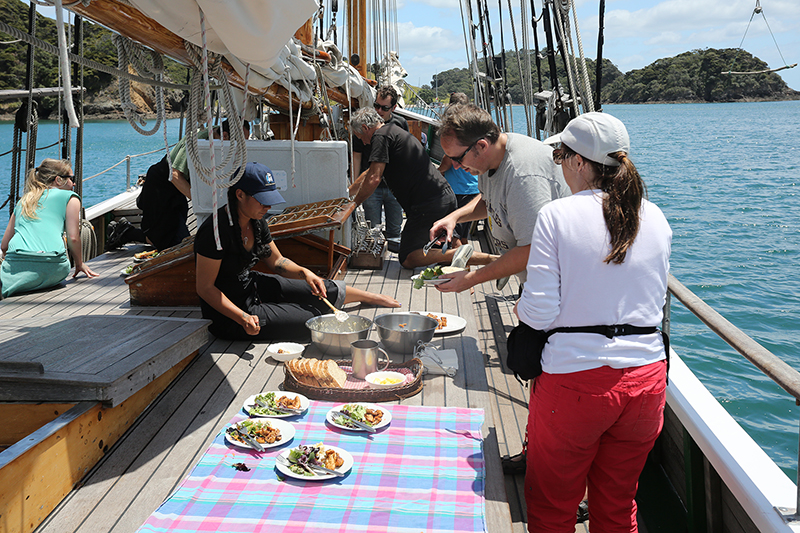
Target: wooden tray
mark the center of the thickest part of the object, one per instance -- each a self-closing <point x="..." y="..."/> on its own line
<point x="327" y="394"/>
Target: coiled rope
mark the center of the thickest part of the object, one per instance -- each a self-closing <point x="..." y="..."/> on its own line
<point x="210" y="65"/>
<point x="146" y="63"/>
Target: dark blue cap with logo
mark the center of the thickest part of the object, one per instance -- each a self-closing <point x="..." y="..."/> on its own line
<point x="257" y="181"/>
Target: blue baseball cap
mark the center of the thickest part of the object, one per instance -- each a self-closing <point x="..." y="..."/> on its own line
<point x="257" y="181"/>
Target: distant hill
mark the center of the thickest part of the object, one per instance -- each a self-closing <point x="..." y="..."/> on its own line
<point x="695" y="76"/>
<point x="699" y="76"/>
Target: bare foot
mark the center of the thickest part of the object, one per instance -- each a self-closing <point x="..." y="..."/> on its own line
<point x="382" y="301"/>
<point x="358" y="295"/>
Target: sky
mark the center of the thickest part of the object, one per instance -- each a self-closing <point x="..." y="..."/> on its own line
<point x="637" y="32"/>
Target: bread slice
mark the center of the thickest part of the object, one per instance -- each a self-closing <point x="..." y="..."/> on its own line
<point x="319" y="373"/>
<point x="335" y="375"/>
<point x="312" y="373"/>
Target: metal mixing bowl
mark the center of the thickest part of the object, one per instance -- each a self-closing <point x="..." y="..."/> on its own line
<point x="333" y="337"/>
<point x="404" y="339"/>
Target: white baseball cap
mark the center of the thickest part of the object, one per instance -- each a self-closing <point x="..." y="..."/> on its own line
<point x="594" y="136"/>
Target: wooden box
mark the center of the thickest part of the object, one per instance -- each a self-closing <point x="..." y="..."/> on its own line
<point x="367" y="261"/>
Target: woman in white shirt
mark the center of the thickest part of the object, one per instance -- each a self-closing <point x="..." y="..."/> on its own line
<point x="598" y="258"/>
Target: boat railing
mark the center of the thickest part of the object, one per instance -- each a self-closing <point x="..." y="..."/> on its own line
<point x="771" y="365"/>
<point x="126" y="160"/>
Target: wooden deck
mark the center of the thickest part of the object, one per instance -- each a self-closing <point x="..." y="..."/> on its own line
<point x="151" y="459"/>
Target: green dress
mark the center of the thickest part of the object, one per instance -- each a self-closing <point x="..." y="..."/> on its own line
<point x="37" y="256"/>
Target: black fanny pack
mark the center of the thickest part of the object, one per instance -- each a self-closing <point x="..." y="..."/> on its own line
<point x="525" y="344"/>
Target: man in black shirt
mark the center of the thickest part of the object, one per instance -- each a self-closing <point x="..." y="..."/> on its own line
<point x="382" y="198"/>
<point x="399" y="158"/>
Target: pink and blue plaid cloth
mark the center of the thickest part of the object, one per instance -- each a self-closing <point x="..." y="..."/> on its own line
<point x="423" y="472"/>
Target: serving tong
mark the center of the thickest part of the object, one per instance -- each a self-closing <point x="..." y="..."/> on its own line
<point x="287" y="463"/>
<point x="357" y="423"/>
<point x="427" y="247"/>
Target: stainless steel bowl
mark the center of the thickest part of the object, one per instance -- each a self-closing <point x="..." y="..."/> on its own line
<point x="333" y="337"/>
<point x="404" y="339"/>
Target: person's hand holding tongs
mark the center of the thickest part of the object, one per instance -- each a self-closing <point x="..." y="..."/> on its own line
<point x="445" y="244"/>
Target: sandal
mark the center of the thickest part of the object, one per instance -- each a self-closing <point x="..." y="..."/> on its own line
<point x="513" y="464"/>
<point x="583" y="512"/>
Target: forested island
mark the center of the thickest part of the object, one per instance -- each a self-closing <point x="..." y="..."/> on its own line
<point x="694" y="76"/>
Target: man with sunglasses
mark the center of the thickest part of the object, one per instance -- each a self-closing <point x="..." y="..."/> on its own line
<point x="399" y="158"/>
<point x="516" y="177"/>
<point x="382" y="198"/>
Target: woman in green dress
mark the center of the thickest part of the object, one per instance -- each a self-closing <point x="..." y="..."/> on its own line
<point x="34" y="244"/>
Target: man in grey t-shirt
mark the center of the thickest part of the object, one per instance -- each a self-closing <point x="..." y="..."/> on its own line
<point x="516" y="177"/>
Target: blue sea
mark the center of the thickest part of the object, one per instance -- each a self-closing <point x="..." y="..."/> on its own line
<point x="727" y="176"/>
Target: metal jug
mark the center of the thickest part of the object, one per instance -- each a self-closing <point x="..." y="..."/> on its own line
<point x="365" y="357"/>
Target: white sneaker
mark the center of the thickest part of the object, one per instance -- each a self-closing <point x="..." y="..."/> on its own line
<point x="462" y="255"/>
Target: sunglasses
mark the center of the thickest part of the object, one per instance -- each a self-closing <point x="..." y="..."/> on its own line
<point x="379" y="107"/>
<point x="463" y="155"/>
<point x="70" y="177"/>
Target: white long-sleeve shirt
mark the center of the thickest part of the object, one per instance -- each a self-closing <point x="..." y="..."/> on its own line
<point x="569" y="284"/>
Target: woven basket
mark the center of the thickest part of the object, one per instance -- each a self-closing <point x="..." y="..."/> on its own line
<point x="328" y="394"/>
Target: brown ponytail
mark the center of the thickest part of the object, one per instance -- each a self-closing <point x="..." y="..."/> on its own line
<point x="624" y="191"/>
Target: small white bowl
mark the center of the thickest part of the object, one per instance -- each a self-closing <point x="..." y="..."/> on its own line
<point x="288" y="351"/>
<point x="375" y="378"/>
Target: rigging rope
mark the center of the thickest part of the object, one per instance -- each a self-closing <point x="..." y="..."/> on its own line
<point x="758" y="9"/>
<point x="64" y="65"/>
<point x="42" y="45"/>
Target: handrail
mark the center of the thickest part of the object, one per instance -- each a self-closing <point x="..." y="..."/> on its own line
<point x="126" y="159"/>
<point x="781" y="373"/>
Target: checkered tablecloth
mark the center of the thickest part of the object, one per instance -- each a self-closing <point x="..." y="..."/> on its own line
<point x="423" y="472"/>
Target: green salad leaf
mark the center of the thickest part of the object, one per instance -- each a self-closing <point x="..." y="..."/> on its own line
<point x="429" y="273"/>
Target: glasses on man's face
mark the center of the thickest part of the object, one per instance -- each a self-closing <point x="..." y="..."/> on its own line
<point x="379" y="107"/>
<point x="560" y="154"/>
<point x="462" y="156"/>
<point x="69" y="177"/>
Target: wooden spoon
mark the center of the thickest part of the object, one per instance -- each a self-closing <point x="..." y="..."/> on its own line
<point x="340" y="315"/>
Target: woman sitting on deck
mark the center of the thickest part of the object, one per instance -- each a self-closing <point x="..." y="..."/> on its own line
<point x="248" y="305"/>
<point x="33" y="243"/>
<point x="598" y="257"/>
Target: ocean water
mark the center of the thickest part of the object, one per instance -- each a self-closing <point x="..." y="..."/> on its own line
<point x="727" y="176"/>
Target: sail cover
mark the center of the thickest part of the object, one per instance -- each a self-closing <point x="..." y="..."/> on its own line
<point x="253" y="31"/>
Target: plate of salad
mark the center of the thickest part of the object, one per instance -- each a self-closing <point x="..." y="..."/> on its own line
<point x="430" y="276"/>
<point x="268" y="433"/>
<point x="368" y="413"/>
<point x="273" y="399"/>
<point x="303" y="459"/>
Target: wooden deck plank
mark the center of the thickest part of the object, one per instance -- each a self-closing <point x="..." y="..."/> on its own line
<point x="129" y="452"/>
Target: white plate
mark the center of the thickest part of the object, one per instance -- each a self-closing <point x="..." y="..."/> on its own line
<point x="434" y="281"/>
<point x="385" y="419"/>
<point x="454" y="322"/>
<point x="286" y="429"/>
<point x="304" y="403"/>
<point x="344" y="454"/>
<point x="124" y="273"/>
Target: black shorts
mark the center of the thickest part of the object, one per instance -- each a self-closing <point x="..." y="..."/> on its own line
<point x="420" y="218"/>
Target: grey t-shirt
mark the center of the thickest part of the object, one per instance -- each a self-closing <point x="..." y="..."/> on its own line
<point x="526" y="180"/>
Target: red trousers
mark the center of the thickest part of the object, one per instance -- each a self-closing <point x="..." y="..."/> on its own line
<point x="591" y="428"/>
